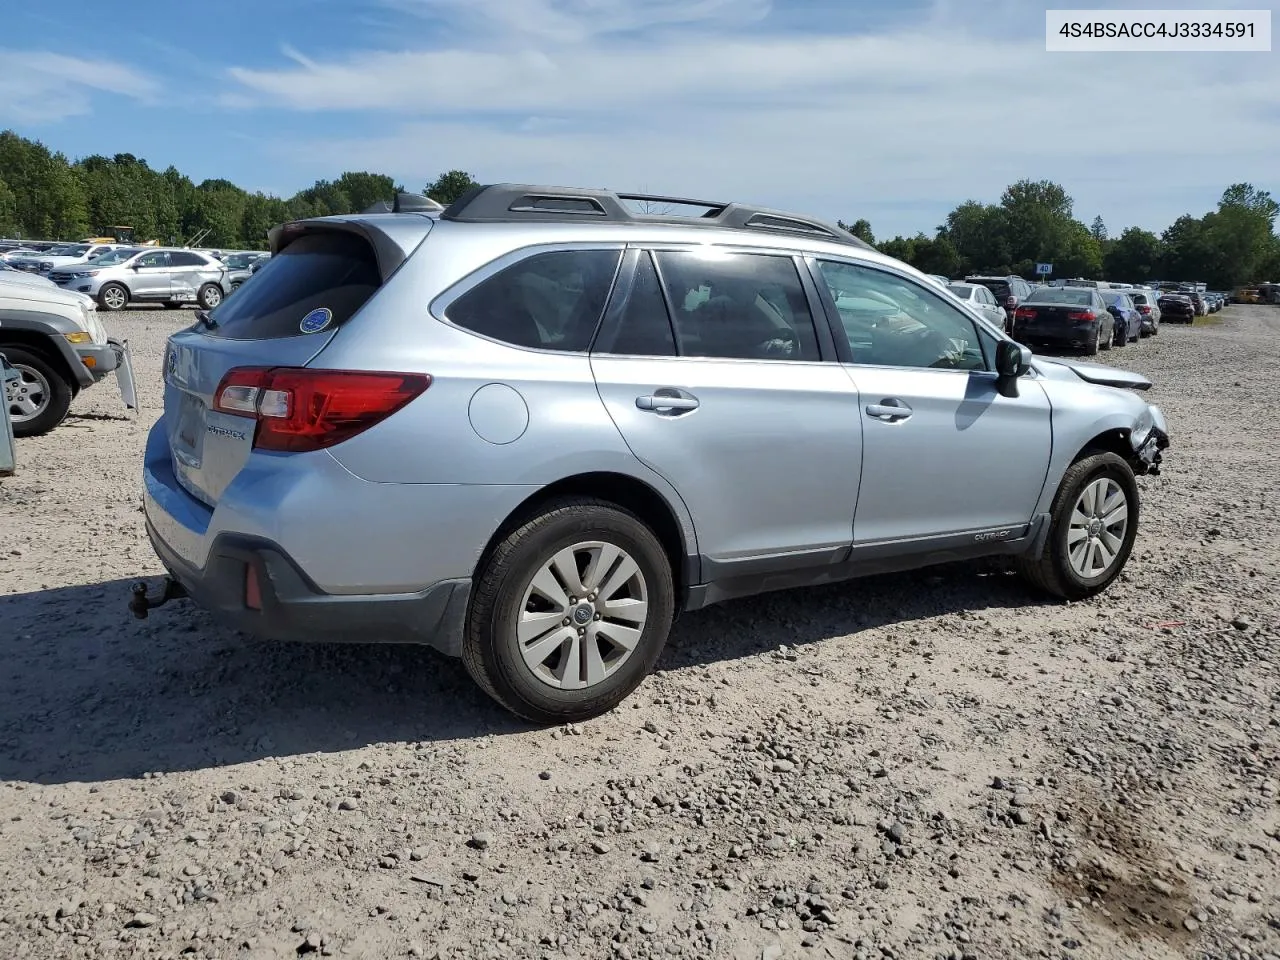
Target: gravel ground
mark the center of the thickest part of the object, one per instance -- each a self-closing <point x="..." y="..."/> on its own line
<point x="928" y="765"/>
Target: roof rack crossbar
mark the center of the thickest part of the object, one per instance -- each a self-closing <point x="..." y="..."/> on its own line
<point x="516" y="202"/>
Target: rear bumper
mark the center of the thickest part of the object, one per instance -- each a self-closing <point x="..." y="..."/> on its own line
<point x="337" y="558"/>
<point x="1062" y="336"/>
<point x="292" y="607"/>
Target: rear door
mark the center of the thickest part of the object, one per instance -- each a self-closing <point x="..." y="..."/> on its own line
<point x="184" y="275"/>
<point x="324" y="278"/>
<point x="712" y="368"/>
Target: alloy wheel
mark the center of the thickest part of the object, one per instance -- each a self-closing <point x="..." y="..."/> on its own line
<point x="27" y="396"/>
<point x="582" y="615"/>
<point x="1096" y="532"/>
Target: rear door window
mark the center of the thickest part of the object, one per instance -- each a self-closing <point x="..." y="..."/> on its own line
<point x="181" y="258"/>
<point x="744" y="306"/>
<point x="323" y="278"/>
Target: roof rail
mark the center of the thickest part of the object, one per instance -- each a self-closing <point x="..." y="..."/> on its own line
<point x="517" y="202"/>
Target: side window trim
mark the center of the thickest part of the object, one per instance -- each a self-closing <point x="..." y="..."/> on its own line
<point x="666" y="297"/>
<point x="843" y="350"/>
<point x="438" y="308"/>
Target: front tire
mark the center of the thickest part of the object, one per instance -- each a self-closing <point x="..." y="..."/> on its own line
<point x="39" y="400"/>
<point x="210" y="296"/>
<point x="570" y="612"/>
<point x="113" y="297"/>
<point x="1092" y="527"/>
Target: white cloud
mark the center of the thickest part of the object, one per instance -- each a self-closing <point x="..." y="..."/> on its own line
<point x="712" y="102"/>
<point x="40" y="87"/>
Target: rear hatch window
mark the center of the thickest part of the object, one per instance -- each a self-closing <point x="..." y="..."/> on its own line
<point x="316" y="283"/>
<point x="998" y="287"/>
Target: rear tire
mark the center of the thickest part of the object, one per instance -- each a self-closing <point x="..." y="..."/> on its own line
<point x="1068" y="567"/>
<point x="210" y="296"/>
<point x="1091" y="348"/>
<point x="533" y="640"/>
<point x="40" y="400"/>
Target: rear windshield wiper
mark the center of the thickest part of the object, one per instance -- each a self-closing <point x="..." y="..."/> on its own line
<point x="206" y="318"/>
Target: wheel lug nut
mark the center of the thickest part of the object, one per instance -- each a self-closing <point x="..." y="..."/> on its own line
<point x="582" y="632"/>
<point x="597" y="616"/>
<point x="565" y="622"/>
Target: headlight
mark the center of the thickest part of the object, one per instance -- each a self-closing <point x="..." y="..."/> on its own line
<point x="80" y="336"/>
<point x="1142" y="429"/>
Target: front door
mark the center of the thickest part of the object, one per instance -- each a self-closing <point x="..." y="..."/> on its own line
<point x="729" y="397"/>
<point x="944" y="453"/>
<point x="150" y="280"/>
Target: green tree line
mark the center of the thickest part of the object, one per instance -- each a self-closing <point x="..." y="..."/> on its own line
<point x="45" y="196"/>
<point x="1034" y="223"/>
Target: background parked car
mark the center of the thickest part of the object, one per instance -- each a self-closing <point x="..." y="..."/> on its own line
<point x="59" y="347"/>
<point x="1177" y="308"/>
<point x="982" y="301"/>
<point x="1071" y="317"/>
<point x="1009" y="292"/>
<point x="14" y="275"/>
<point x="1128" y="317"/>
<point x="66" y="255"/>
<point x="240" y="267"/>
<point x="1146" y="302"/>
<point x="167" y="275"/>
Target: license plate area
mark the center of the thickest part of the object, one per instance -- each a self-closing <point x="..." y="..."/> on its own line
<point x="188" y="437"/>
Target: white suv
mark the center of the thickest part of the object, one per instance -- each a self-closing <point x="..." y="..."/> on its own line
<point x="59" y="347"/>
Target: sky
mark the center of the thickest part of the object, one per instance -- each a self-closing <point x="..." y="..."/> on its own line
<point x="890" y="110"/>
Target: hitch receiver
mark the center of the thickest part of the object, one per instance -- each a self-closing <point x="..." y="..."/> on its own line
<point x="140" y="604"/>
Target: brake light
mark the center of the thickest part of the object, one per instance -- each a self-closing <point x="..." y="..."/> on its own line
<point x="301" y="409"/>
<point x="1024" y="313"/>
<point x="1144" y="309"/>
<point x="1087" y="315"/>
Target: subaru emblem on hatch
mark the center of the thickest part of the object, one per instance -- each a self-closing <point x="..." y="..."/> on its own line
<point x="316" y="320"/>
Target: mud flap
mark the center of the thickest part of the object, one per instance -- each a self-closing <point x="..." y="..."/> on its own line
<point x="124" y="373"/>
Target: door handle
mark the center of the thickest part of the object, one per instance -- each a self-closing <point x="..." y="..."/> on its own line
<point x="890" y="410"/>
<point x="659" y="403"/>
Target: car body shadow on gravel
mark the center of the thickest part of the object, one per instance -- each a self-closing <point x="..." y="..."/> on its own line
<point x="89" y="693"/>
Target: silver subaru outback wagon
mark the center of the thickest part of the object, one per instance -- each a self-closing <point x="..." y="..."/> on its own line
<point x="533" y="427"/>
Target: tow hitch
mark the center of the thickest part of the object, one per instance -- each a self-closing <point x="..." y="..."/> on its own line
<point x="140" y="603"/>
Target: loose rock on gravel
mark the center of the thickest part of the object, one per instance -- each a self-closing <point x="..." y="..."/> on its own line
<point x="936" y="764"/>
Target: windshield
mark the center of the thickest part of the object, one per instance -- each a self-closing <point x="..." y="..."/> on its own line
<point x="1063" y="295"/>
<point x="113" y="256"/>
<point x="70" y="250"/>
<point x="238" y="261"/>
<point x="962" y="290"/>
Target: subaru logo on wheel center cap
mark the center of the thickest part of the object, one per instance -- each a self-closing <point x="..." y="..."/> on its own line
<point x="582" y="614"/>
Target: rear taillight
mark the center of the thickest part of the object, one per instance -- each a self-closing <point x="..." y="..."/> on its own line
<point x="1024" y="313"/>
<point x="299" y="409"/>
<point x="1087" y="315"/>
<point x="1144" y="310"/>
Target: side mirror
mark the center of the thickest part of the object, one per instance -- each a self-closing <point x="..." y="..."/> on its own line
<point x="1012" y="360"/>
<point x="135" y="266"/>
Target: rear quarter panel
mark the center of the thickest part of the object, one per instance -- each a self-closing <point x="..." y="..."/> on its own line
<point x="555" y="425"/>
